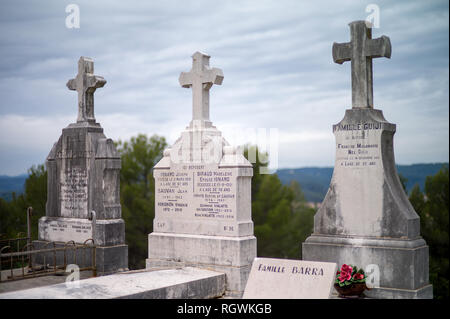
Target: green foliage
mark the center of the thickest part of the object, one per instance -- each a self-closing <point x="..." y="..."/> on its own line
<point x="280" y="213"/>
<point x="13" y="214"/>
<point x="35" y="195"/>
<point x="432" y="207"/>
<point x="403" y="181"/>
<point x="137" y="192"/>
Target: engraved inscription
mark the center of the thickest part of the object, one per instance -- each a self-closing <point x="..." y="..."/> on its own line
<point x="74" y="188"/>
<point x="196" y="191"/>
<point x="66" y="229"/>
<point x="357" y="145"/>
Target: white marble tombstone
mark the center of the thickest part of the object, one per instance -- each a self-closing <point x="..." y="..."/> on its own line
<point x="366" y="218"/>
<point x="83" y="176"/>
<point x="203" y="194"/>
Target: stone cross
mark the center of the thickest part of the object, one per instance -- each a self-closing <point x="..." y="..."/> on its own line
<point x="86" y="83"/>
<point x="200" y="78"/>
<point x="360" y="50"/>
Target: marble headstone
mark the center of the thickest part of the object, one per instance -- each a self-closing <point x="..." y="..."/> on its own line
<point x="203" y="194"/>
<point x="272" y="278"/>
<point x="366" y="218"/>
<point x="83" y="176"/>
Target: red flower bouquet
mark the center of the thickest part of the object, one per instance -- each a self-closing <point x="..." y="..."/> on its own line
<point x="350" y="281"/>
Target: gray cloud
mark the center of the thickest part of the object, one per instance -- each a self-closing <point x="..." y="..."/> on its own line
<point x="276" y="57"/>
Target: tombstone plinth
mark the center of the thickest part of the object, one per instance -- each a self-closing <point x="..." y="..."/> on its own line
<point x="366" y="217"/>
<point x="203" y="194"/>
<point x="83" y="170"/>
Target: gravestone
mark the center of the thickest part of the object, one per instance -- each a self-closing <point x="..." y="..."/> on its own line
<point x="203" y="194"/>
<point x="83" y="170"/>
<point x="366" y="218"/>
<point x="272" y="278"/>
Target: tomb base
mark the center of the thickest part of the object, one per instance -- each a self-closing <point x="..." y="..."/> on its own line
<point x="108" y="259"/>
<point x="230" y="255"/>
<point x="402" y="263"/>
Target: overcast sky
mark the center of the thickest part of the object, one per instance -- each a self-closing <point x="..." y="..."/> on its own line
<point x="275" y="56"/>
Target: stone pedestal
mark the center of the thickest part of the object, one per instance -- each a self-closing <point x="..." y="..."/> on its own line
<point x="403" y="264"/>
<point x="366" y="217"/>
<point x="232" y="256"/>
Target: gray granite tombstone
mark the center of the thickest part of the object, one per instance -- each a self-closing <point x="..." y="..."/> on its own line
<point x="366" y="218"/>
<point x="203" y="194"/>
<point x="83" y="177"/>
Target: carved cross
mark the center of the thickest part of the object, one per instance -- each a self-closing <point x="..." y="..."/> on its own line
<point x="86" y="83"/>
<point x="361" y="50"/>
<point x="200" y="78"/>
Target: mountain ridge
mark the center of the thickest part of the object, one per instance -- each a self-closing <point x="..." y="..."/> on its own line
<point x="314" y="181"/>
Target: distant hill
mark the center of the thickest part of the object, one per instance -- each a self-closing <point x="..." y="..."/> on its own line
<point x="315" y="181"/>
<point x="10" y="184"/>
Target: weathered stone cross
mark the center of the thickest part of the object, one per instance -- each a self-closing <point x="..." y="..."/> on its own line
<point x="86" y="83"/>
<point x="360" y="51"/>
<point x="200" y="78"/>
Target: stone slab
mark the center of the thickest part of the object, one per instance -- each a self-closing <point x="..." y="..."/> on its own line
<point x="272" y="278"/>
<point x="236" y="277"/>
<point x="65" y="229"/>
<point x="30" y="282"/>
<point x="62" y="229"/>
<point x="203" y="199"/>
<point x="185" y="283"/>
